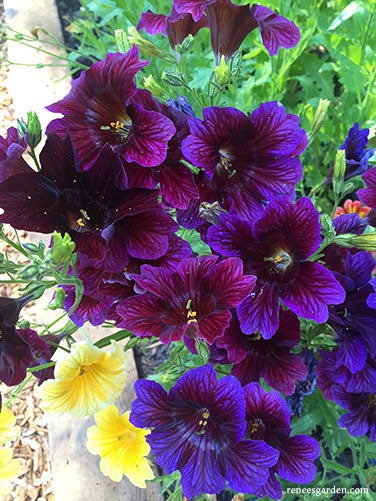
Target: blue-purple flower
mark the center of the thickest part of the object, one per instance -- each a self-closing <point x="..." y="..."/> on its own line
<point x="193" y="300"/>
<point x="104" y="106"/>
<point x="248" y="161"/>
<point x="368" y="195"/>
<point x="277" y="248"/>
<point x="198" y="429"/>
<point x="268" y="419"/>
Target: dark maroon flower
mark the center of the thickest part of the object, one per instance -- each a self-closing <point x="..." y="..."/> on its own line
<point x="368" y="195"/>
<point x="106" y="223"/>
<point x="198" y="429"/>
<point x="175" y="26"/>
<point x="361" y="417"/>
<point x="268" y="419"/>
<point x="254" y="357"/>
<point x="277" y="249"/>
<point x="11" y="149"/>
<point x="104" y="106"/>
<point x="193" y="300"/>
<point x="229" y="24"/>
<point x="249" y="161"/>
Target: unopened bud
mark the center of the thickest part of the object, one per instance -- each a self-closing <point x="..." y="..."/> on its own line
<point x="339" y="172"/>
<point x="367" y="241"/>
<point x="147" y="48"/>
<point x="185" y="45"/>
<point x="153" y="86"/>
<point x="34" y="290"/>
<point x="121" y="41"/>
<point x="58" y="301"/>
<point x="21" y="127"/>
<point x="235" y="64"/>
<point x="34" y="129"/>
<point x="327" y="226"/>
<point x="222" y="73"/>
<point x="319" y="116"/>
<point x="174" y="79"/>
<point x="62" y="248"/>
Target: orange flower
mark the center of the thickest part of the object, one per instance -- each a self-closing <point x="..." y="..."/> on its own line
<point x="352" y="207"/>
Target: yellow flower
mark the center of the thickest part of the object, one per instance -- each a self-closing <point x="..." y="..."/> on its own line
<point x="9" y="469"/>
<point x="85" y="380"/>
<point x="8" y="430"/>
<point x="121" y="445"/>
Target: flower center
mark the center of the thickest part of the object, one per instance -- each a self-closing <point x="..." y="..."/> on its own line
<point x="80" y="223"/>
<point x="371" y="400"/>
<point x="280" y="261"/>
<point x="225" y="164"/>
<point x="203" y="422"/>
<point x="121" y="127"/>
<point x="255" y="429"/>
<point x="191" y="314"/>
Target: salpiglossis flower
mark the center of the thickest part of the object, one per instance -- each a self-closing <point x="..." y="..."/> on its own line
<point x="85" y="380"/>
<point x="121" y="446"/>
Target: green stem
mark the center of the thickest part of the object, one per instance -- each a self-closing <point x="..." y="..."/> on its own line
<point x="18" y="390"/>
<point x="40" y="367"/>
<point x="48" y="327"/>
<point x="366" y="34"/>
<point x="117" y="336"/>
<point x="34" y="157"/>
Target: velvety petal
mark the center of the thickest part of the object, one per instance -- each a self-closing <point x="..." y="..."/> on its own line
<point x="247" y="464"/>
<point x="213" y="325"/>
<point x="355" y="422"/>
<point x="368" y="195"/>
<point x="11" y="150"/>
<point x="352" y="352"/>
<point x="231" y="237"/>
<point x="153" y="23"/>
<point x="355" y="142"/>
<point x="274" y="133"/>
<point x="194" y="7"/>
<point x="349" y="223"/>
<point x="89" y="309"/>
<point x="150" y="408"/>
<point x="359" y="267"/>
<point x="312" y="291"/>
<point x="296" y="220"/>
<point x="177" y="185"/>
<point x="276" y="31"/>
<point x="259" y="311"/>
<point x="30" y="202"/>
<point x="147" y="145"/>
<point x="296" y="459"/>
<point x="142" y="315"/>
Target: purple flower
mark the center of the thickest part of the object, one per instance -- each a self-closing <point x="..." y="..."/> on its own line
<point x="193" y="300"/>
<point x="356" y="154"/>
<point x="371" y="301"/>
<point x="268" y="419"/>
<point x="254" y="357"/>
<point x="104" y="106"/>
<point x="249" y="161"/>
<point x="368" y="195"/>
<point x="105" y="222"/>
<point x="304" y="387"/>
<point x="353" y="320"/>
<point x="229" y="24"/>
<point x="11" y="149"/>
<point x="361" y="417"/>
<point x="197" y="428"/>
<point x="176" y="181"/>
<point x="277" y="248"/>
<point x="176" y="26"/>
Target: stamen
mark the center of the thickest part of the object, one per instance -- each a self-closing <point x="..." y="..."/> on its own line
<point x="371" y="400"/>
<point x="203" y="422"/>
<point x="191" y="314"/>
<point x="281" y="260"/>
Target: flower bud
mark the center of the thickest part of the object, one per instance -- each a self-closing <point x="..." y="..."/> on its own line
<point x="153" y="86"/>
<point x="367" y="241"/>
<point x="319" y="116"/>
<point x="34" y="129"/>
<point x="59" y="298"/>
<point x="62" y="248"/>
<point x="121" y="41"/>
<point x="146" y="47"/>
<point x="185" y="45"/>
<point x="339" y="171"/>
<point x="327" y="226"/>
<point x="174" y="79"/>
<point x="222" y="73"/>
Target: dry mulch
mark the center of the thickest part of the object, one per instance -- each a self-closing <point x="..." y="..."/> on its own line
<point x="31" y="447"/>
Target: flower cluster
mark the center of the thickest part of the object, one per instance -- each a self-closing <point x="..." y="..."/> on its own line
<point x="122" y="179"/>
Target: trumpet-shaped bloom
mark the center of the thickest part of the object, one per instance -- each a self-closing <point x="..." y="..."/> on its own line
<point x="9" y="469"/>
<point x="106" y="223"/>
<point x="8" y="430"/>
<point x="277" y="249"/>
<point x="103" y="106"/>
<point x="248" y="160"/>
<point x="193" y="300"/>
<point x="121" y="446"/>
<point x="85" y="380"/>
<point x="197" y="428"/>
